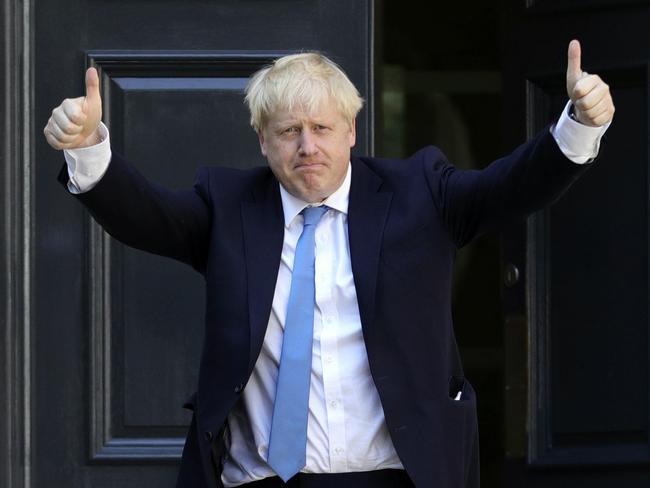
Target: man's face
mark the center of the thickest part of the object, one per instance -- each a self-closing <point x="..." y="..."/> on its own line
<point x="308" y="152"/>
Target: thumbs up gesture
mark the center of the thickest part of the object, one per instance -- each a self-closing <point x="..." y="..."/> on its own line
<point x="592" y="102"/>
<point x="74" y="123"/>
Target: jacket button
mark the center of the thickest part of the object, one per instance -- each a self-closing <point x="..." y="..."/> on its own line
<point x="239" y="388"/>
<point x="208" y="435"/>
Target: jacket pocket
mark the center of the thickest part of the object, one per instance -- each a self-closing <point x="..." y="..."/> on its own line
<point x="458" y="384"/>
<point x="461" y="434"/>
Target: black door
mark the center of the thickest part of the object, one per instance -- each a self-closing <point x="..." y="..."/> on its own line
<point x="102" y="342"/>
<point x="576" y="275"/>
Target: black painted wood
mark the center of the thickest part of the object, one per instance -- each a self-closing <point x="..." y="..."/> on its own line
<point x="590" y="310"/>
<point x="117" y="333"/>
<point x="16" y="163"/>
<point x="584" y="262"/>
<point x="585" y="6"/>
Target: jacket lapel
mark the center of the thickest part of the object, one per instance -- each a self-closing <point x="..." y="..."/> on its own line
<point x="263" y="224"/>
<point x="367" y="212"/>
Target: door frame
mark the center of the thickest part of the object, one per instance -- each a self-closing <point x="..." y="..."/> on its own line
<point x="16" y="244"/>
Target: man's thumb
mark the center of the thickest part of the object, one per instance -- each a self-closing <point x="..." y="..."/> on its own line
<point x="574" y="69"/>
<point x="92" y="87"/>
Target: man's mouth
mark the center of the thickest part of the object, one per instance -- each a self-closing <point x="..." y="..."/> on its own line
<point x="309" y="166"/>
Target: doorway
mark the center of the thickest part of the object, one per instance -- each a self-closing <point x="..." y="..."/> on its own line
<point x="439" y="76"/>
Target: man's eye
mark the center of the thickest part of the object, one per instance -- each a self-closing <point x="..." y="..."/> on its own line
<point x="291" y="130"/>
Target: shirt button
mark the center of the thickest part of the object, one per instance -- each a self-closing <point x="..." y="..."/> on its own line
<point x="338" y="451"/>
<point x="333" y="404"/>
<point x="329" y="320"/>
<point x="329" y="359"/>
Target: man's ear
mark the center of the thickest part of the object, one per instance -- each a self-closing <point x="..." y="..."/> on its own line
<point x="353" y="132"/>
<point x="260" y="136"/>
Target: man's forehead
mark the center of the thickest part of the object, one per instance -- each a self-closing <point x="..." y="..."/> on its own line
<point x="324" y="110"/>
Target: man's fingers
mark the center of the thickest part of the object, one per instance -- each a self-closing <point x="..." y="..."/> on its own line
<point x="61" y="119"/>
<point x="574" y="66"/>
<point x="56" y="131"/>
<point x="597" y="95"/>
<point x="73" y="109"/>
<point x="584" y="86"/>
<point x="53" y="141"/>
<point x="61" y="132"/>
<point x="603" y="108"/>
<point x="604" y="118"/>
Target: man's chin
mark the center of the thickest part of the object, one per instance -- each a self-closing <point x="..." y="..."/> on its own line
<point x="312" y="189"/>
<point x="312" y="194"/>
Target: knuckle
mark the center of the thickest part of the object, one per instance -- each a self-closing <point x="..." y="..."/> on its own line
<point x="75" y="114"/>
<point x="579" y="90"/>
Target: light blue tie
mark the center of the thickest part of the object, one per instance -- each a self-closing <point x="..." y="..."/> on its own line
<point x="288" y="439"/>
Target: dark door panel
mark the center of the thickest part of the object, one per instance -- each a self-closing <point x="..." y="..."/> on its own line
<point x="116" y="333"/>
<point x="584" y="280"/>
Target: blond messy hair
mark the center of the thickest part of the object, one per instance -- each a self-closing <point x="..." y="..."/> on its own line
<point x="303" y="81"/>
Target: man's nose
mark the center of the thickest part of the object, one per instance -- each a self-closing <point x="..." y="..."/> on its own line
<point x="308" y="145"/>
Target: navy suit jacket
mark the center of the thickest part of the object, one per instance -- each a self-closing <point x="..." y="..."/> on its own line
<point x="406" y="220"/>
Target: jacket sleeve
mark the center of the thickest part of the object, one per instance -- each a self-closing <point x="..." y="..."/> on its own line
<point x="473" y="202"/>
<point x="147" y="216"/>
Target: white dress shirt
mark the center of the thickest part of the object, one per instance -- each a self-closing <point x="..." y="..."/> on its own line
<point x="346" y="426"/>
<point x="346" y="430"/>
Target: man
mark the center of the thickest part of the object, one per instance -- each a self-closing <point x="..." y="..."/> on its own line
<point x="329" y="355"/>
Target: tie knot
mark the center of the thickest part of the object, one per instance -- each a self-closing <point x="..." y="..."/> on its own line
<point x="313" y="214"/>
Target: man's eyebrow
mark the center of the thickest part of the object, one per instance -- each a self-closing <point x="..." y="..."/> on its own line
<point x="283" y="125"/>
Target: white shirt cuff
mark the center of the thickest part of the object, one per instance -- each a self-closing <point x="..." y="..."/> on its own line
<point x="87" y="165"/>
<point x="578" y="142"/>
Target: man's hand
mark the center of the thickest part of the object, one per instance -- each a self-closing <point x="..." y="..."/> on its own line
<point x="74" y="123"/>
<point x="593" y="105"/>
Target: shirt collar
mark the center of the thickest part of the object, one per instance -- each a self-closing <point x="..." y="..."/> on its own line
<point x="292" y="206"/>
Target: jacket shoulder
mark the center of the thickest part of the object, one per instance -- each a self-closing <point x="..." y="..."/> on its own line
<point x="232" y="182"/>
<point x="426" y="155"/>
<point x="429" y="160"/>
